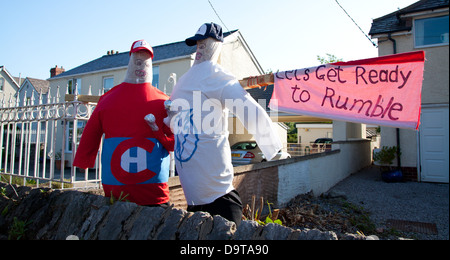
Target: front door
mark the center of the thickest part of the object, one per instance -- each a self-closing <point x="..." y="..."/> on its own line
<point x="434" y="144"/>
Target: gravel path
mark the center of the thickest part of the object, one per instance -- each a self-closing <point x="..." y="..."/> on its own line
<point x="406" y="201"/>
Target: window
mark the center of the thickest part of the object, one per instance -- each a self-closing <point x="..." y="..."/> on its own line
<point x="71" y="84"/>
<point x="2" y="82"/>
<point x="69" y="134"/>
<point x="244" y="146"/>
<point x="431" y="31"/>
<point x="155" y="81"/>
<point x="108" y="83"/>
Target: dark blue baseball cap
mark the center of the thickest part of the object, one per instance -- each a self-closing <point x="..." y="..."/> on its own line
<point x="205" y="31"/>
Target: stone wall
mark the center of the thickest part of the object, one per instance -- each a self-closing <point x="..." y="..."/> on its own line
<point x="46" y="214"/>
<point x="55" y="214"/>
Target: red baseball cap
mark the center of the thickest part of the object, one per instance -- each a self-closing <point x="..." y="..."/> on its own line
<point x="141" y="45"/>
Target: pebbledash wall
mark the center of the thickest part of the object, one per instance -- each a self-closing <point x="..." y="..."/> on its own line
<point x="280" y="181"/>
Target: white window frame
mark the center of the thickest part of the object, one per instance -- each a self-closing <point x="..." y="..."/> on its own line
<point x="104" y="85"/>
<point x="71" y="86"/>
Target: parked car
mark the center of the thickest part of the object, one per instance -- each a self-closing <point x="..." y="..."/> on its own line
<point x="322" y="144"/>
<point x="248" y="152"/>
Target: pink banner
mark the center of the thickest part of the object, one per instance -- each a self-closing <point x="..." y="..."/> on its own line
<point x="381" y="91"/>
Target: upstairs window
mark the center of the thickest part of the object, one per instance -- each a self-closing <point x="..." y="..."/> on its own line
<point x="73" y="84"/>
<point x="431" y="31"/>
<point x="155" y="82"/>
<point x="108" y="83"/>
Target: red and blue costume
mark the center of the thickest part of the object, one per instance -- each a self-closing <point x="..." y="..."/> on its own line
<point x="135" y="159"/>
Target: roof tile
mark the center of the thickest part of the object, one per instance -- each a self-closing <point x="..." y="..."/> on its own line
<point x="162" y="52"/>
<point x="392" y="22"/>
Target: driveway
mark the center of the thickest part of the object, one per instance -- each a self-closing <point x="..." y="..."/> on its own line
<point x="418" y="208"/>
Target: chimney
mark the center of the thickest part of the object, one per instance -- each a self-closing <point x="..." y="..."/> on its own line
<point x="56" y="71"/>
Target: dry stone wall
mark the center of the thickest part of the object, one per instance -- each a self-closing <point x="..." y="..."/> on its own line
<point x="46" y="214"/>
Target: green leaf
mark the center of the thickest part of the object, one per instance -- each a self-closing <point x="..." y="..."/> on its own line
<point x="268" y="220"/>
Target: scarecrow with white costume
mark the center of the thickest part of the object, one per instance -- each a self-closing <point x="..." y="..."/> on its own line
<point x="201" y="101"/>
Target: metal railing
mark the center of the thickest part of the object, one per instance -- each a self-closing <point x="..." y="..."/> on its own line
<point x="302" y="149"/>
<point x="38" y="140"/>
<point x="39" y="137"/>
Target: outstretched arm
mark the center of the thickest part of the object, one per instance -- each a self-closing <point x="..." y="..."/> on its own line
<point x="253" y="117"/>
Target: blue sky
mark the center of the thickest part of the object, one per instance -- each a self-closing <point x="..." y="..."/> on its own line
<point x="283" y="34"/>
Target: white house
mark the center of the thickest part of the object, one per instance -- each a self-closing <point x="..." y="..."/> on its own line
<point x="32" y="90"/>
<point x="8" y="85"/>
<point x="423" y="25"/>
<point x="171" y="61"/>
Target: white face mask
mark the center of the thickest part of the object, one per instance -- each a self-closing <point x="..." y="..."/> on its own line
<point x="139" y="68"/>
<point x="208" y="50"/>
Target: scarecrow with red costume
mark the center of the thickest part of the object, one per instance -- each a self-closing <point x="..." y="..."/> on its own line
<point x="135" y="158"/>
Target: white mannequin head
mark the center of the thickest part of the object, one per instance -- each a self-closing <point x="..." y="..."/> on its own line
<point x="140" y="64"/>
<point x="139" y="68"/>
<point x="208" y="50"/>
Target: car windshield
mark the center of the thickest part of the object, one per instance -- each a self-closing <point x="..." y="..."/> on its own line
<point x="323" y="141"/>
<point x="244" y="146"/>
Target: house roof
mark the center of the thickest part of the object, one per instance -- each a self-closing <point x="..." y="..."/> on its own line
<point x="107" y="62"/>
<point x="13" y="79"/>
<point x="264" y="93"/>
<point x="18" y="80"/>
<point x="393" y="22"/>
<point x="38" y="84"/>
